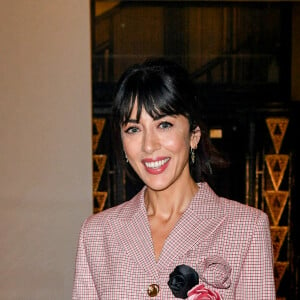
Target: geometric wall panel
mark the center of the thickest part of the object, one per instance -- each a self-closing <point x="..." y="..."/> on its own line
<point x="276" y="193"/>
<point x="279" y="270"/>
<point x="99" y="165"/>
<point x="98" y="125"/>
<point x="100" y="199"/>
<point x="100" y="181"/>
<point x="278" y="234"/>
<point x="276" y="201"/>
<point x="276" y="165"/>
<point x="277" y="128"/>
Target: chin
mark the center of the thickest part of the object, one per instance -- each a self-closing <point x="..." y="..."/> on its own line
<point x="157" y="186"/>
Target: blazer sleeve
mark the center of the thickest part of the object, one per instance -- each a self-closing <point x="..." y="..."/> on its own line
<point x="83" y="287"/>
<point x="257" y="273"/>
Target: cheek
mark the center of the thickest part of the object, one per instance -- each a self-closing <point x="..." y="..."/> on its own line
<point x="129" y="147"/>
<point x="124" y="143"/>
<point x="177" y="144"/>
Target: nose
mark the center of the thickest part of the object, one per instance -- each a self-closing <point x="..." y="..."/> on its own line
<point x="150" y="142"/>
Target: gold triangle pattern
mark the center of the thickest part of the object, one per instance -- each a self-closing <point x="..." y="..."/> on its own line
<point x="276" y="164"/>
<point x="279" y="270"/>
<point x="276" y="201"/>
<point x="100" y="198"/>
<point x="278" y="234"/>
<point x="100" y="161"/>
<point x="96" y="181"/>
<point x="98" y="125"/>
<point x="277" y="129"/>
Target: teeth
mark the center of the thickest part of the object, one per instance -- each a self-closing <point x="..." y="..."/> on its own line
<point x="156" y="164"/>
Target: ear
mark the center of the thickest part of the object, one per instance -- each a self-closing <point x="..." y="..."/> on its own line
<point x="195" y="137"/>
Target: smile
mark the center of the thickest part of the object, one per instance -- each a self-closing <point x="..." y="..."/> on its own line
<point x="156" y="164"/>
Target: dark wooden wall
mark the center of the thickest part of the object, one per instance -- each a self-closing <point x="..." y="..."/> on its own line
<point x="240" y="55"/>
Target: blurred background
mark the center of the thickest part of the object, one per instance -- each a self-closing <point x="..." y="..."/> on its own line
<point x="243" y="57"/>
<point x="59" y="62"/>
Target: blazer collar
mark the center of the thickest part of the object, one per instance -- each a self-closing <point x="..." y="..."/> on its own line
<point x="204" y="215"/>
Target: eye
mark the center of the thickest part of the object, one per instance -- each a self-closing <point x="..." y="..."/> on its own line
<point x="165" y="125"/>
<point x="131" y="130"/>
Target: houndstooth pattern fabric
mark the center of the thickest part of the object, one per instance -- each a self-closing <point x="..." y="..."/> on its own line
<point x="115" y="256"/>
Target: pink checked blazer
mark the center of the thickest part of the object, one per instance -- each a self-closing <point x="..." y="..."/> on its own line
<point x="228" y="243"/>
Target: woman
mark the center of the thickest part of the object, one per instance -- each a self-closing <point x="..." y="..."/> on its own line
<point x="176" y="238"/>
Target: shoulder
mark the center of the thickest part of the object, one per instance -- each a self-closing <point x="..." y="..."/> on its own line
<point x="121" y="212"/>
<point x="243" y="213"/>
<point x="234" y="211"/>
<point x="244" y="221"/>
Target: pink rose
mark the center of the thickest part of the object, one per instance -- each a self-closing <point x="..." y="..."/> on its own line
<point x="215" y="271"/>
<point x="200" y="292"/>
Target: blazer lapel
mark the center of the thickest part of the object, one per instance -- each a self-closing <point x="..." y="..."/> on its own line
<point x="135" y="236"/>
<point x="199" y="222"/>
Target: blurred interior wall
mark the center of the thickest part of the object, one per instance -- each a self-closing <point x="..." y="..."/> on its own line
<point x="45" y="144"/>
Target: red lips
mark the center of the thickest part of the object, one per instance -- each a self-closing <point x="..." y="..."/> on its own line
<point x="156" y="166"/>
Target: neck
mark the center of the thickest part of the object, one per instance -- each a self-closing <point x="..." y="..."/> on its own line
<point x="169" y="202"/>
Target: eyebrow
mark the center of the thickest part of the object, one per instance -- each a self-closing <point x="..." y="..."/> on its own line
<point x="132" y="121"/>
<point x="165" y="115"/>
<point x="155" y="118"/>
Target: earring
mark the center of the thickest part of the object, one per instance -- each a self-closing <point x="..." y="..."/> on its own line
<point x="192" y="155"/>
<point x="126" y="158"/>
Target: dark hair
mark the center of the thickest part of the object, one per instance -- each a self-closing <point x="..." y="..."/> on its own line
<point x="163" y="87"/>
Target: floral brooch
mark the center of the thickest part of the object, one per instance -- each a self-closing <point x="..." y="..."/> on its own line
<point x="181" y="280"/>
<point x="184" y="280"/>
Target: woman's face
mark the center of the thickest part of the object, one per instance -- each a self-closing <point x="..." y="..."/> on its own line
<point x="158" y="149"/>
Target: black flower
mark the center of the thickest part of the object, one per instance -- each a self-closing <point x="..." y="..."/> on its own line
<point x="181" y="280"/>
